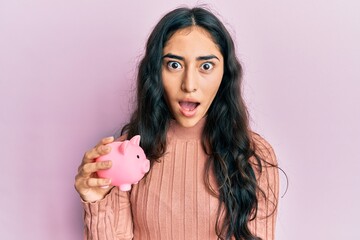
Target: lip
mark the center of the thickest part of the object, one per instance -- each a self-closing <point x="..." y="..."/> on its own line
<point x="186" y="112"/>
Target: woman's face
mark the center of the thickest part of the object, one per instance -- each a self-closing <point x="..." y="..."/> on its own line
<point x="192" y="71"/>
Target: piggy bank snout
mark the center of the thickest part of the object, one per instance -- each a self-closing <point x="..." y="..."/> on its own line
<point x="145" y="166"/>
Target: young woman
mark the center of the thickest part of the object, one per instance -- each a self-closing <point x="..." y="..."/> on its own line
<point x="211" y="177"/>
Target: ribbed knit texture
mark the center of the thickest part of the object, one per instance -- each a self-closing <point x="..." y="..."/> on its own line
<point x="172" y="202"/>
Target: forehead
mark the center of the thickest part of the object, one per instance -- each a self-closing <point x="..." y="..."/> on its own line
<point x="192" y="39"/>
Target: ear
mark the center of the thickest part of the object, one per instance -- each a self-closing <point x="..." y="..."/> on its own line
<point x="123" y="146"/>
<point x="135" y="140"/>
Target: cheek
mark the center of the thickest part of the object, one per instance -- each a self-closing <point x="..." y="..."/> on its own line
<point x="171" y="84"/>
<point x="164" y="82"/>
<point x="168" y="95"/>
<point x="214" y="85"/>
<point x="167" y="90"/>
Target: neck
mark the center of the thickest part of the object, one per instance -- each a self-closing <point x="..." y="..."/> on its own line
<point x="182" y="132"/>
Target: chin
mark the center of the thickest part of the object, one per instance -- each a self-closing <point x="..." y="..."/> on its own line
<point x="191" y="122"/>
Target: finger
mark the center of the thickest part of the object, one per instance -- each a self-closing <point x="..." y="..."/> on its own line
<point x="90" y="168"/>
<point x="95" y="153"/>
<point x="98" y="182"/>
<point x="105" y="141"/>
<point x="98" y="150"/>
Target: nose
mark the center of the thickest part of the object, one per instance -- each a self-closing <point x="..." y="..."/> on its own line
<point x="146" y="166"/>
<point x="189" y="83"/>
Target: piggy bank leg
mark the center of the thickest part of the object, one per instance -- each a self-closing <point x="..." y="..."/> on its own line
<point x="125" y="187"/>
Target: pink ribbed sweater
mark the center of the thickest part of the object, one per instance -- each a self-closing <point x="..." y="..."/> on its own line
<point x="172" y="202"/>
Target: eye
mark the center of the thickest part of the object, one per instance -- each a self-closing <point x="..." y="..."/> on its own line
<point x="174" y="65"/>
<point x="207" y="66"/>
<point x="137" y="156"/>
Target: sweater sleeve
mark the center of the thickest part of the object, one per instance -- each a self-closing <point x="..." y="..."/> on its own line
<point x="263" y="225"/>
<point x="109" y="218"/>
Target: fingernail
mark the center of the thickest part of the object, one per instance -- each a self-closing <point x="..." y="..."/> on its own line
<point x="107" y="163"/>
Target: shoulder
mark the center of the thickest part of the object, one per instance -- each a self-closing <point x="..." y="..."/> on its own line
<point x="263" y="149"/>
<point x="267" y="175"/>
<point x="265" y="164"/>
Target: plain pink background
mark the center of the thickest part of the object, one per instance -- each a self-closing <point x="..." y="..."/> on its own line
<point x="67" y="77"/>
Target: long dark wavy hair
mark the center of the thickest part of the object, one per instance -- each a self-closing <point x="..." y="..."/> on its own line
<point x="226" y="136"/>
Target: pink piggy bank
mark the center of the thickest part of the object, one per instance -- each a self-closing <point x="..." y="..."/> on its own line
<point x="129" y="163"/>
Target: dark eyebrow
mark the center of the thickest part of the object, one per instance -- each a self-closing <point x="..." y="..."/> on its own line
<point x="201" y="58"/>
<point x="169" y="55"/>
<point x="207" y="57"/>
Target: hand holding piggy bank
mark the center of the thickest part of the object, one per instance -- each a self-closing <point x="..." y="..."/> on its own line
<point x="129" y="163"/>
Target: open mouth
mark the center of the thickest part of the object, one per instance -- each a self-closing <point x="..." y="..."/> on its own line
<point x="188" y="106"/>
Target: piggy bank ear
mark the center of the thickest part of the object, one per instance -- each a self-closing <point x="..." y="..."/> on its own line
<point x="123" y="146"/>
<point x="135" y="140"/>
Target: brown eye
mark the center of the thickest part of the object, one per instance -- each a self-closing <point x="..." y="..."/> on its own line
<point x="207" y="66"/>
<point x="174" y="65"/>
<point x="137" y="156"/>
